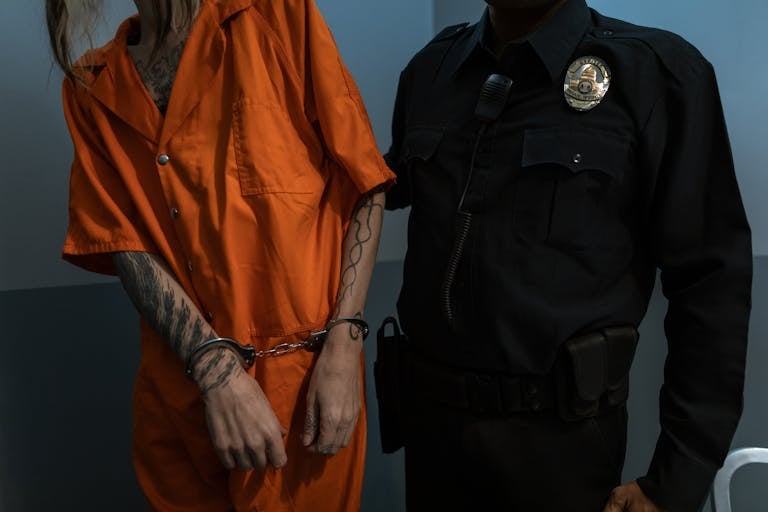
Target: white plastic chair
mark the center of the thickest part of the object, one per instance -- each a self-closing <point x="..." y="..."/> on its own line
<point x="721" y="489"/>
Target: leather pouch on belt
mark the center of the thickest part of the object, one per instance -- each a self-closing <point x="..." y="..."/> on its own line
<point x="594" y="372"/>
<point x="388" y="371"/>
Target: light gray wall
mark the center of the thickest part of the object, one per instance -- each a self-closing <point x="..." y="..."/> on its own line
<point x="450" y="12"/>
<point x="375" y="38"/>
<point x="35" y="151"/>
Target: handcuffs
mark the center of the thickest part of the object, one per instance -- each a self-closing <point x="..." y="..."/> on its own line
<point x="248" y="354"/>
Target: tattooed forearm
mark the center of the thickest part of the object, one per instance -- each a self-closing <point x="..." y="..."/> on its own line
<point x="366" y="223"/>
<point x="165" y="306"/>
<point x="159" y="302"/>
<point x="359" y="253"/>
<point x="222" y="376"/>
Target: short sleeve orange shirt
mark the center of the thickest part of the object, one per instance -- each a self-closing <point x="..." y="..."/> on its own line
<point x="247" y="184"/>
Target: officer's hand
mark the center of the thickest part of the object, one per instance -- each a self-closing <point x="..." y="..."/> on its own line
<point x="630" y="498"/>
<point x="334" y="397"/>
<point x="244" y="429"/>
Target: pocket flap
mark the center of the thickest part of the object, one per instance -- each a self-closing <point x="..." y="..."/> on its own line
<point x="577" y="150"/>
<point x="421" y="142"/>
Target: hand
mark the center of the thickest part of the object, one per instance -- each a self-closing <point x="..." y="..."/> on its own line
<point x="244" y="429"/>
<point x="333" y="400"/>
<point x="630" y="498"/>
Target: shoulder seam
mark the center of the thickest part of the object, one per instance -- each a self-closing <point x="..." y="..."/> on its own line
<point x="449" y="32"/>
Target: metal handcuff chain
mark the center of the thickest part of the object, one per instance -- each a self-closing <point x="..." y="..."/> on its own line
<point x="248" y="354"/>
<point x="314" y="340"/>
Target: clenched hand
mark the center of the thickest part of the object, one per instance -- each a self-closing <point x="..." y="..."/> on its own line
<point x="630" y="498"/>
<point x="334" y="397"/>
<point x="244" y="429"/>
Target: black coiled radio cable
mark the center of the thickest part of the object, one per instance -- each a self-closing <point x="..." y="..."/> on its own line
<point x="493" y="99"/>
<point x="462" y="224"/>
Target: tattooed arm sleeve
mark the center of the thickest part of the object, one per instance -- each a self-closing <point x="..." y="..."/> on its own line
<point x="359" y="257"/>
<point x="167" y="308"/>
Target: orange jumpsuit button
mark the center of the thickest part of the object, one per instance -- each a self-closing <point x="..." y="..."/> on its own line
<point x="163" y="159"/>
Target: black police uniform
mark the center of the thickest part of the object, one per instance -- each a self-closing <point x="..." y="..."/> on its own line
<point x="572" y="212"/>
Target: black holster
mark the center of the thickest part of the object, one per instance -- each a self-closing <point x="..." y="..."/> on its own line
<point x="593" y="372"/>
<point x="388" y="372"/>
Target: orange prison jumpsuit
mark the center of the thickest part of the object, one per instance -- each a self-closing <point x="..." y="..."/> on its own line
<point x="266" y="149"/>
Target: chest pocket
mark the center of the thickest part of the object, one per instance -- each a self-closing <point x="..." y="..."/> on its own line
<point x="568" y="184"/>
<point x="419" y="146"/>
<point x="274" y="153"/>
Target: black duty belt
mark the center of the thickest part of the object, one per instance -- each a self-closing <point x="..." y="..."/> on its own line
<point x="482" y="393"/>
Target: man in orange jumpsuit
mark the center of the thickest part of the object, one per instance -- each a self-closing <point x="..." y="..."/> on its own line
<point x="225" y="169"/>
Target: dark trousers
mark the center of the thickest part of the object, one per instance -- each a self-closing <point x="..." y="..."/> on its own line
<point x="527" y="462"/>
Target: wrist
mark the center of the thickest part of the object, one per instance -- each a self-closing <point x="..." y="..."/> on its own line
<point x="245" y="353"/>
<point x="356" y="328"/>
<point x="346" y="333"/>
<point x="215" y="368"/>
<point x="342" y="344"/>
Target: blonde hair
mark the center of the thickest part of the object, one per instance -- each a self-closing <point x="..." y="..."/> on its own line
<point x="73" y="21"/>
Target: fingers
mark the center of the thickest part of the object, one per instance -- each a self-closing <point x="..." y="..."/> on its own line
<point x="226" y="458"/>
<point x="245" y="458"/>
<point x="348" y="437"/>
<point x="245" y="432"/>
<point x="331" y="429"/>
<point x="255" y="453"/>
<point x="215" y="425"/>
<point x="617" y="502"/>
<point x="267" y="447"/>
<point x="335" y="433"/>
<point x="613" y="507"/>
<point x="311" y="421"/>
<point x="630" y="498"/>
<point x="275" y="453"/>
<point x="328" y="441"/>
<point x="248" y="447"/>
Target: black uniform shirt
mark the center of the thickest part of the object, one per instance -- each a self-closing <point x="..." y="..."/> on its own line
<point x="573" y="213"/>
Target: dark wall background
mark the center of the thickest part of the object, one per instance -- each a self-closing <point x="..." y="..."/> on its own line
<point x="66" y="373"/>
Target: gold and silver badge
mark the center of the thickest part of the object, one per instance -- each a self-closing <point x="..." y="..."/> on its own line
<point x="586" y="83"/>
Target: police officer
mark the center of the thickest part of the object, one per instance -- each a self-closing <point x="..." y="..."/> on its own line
<point x="553" y="160"/>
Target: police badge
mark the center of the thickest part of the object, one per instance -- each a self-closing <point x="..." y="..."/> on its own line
<point x="586" y="83"/>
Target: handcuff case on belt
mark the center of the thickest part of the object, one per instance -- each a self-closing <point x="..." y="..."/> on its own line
<point x="594" y="372"/>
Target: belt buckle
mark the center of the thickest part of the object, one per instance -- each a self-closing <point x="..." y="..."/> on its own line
<point x="483" y="393"/>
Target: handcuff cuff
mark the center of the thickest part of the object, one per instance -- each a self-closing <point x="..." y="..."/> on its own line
<point x="248" y="354"/>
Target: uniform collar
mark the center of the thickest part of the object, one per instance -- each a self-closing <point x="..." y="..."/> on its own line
<point x="554" y="42"/>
